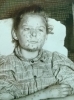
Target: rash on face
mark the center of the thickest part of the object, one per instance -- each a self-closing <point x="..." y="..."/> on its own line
<point x="30" y="32"/>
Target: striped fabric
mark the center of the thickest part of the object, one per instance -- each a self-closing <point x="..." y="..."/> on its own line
<point x="21" y="77"/>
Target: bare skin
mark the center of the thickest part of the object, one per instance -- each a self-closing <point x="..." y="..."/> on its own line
<point x="55" y="91"/>
<point x="31" y="38"/>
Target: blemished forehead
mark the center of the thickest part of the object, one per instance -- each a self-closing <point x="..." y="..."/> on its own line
<point x="33" y="19"/>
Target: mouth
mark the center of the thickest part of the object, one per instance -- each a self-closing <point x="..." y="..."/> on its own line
<point x="33" y="42"/>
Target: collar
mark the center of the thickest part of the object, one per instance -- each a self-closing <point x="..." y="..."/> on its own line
<point x="17" y="52"/>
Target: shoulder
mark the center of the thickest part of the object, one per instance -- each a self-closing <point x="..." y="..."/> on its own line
<point x="61" y="60"/>
<point x="8" y="62"/>
<point x="2" y="59"/>
<point x="60" y="57"/>
<point x="7" y="58"/>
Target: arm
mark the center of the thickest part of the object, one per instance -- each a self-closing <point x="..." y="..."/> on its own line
<point x="9" y="87"/>
<point x="66" y="98"/>
<point x="66" y="76"/>
<point x="6" y="96"/>
<point x="59" y="90"/>
<point x="12" y="88"/>
<point x="55" y="91"/>
<point x="63" y="69"/>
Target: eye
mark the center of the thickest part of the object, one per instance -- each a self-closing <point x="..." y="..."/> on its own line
<point x="41" y="30"/>
<point x="26" y="29"/>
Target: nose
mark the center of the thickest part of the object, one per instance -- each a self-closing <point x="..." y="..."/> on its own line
<point x="33" y="32"/>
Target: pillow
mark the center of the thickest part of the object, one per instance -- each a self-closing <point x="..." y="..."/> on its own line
<point x="6" y="45"/>
<point x="54" y="42"/>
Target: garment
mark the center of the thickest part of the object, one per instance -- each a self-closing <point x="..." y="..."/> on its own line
<point x="21" y="77"/>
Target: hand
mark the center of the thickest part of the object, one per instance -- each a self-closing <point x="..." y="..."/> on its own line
<point x="61" y="90"/>
<point x="6" y="96"/>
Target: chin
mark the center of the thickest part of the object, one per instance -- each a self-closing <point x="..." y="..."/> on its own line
<point x="32" y="49"/>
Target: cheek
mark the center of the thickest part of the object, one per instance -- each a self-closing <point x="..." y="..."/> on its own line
<point x="41" y="38"/>
<point x="24" y="37"/>
<point x="23" y="34"/>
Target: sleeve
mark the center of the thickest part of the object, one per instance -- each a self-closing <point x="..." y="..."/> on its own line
<point x="8" y="82"/>
<point x="63" y="69"/>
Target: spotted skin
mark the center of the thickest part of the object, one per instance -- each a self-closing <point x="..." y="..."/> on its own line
<point x="31" y="33"/>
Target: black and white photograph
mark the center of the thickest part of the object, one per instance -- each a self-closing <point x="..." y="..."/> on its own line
<point x="36" y="50"/>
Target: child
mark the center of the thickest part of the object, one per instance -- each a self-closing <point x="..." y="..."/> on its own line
<point x="32" y="73"/>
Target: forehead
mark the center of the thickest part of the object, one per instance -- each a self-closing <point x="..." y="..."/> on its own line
<point x="32" y="19"/>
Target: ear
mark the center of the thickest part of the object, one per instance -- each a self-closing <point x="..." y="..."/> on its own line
<point x="14" y="36"/>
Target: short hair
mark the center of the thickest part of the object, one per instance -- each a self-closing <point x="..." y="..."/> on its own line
<point x="33" y="9"/>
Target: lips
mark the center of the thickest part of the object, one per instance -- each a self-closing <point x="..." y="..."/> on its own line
<point x="33" y="42"/>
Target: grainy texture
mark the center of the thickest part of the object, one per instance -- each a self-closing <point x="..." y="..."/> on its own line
<point x="21" y="77"/>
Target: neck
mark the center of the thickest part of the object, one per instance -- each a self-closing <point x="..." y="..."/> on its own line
<point x="29" y="54"/>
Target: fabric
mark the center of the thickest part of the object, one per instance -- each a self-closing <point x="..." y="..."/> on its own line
<point x="21" y="77"/>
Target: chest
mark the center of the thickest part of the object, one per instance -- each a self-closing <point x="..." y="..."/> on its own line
<point x="34" y="77"/>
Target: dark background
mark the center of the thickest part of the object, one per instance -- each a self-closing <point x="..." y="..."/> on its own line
<point x="59" y="9"/>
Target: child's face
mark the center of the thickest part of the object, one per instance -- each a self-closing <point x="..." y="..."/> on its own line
<point x="31" y="32"/>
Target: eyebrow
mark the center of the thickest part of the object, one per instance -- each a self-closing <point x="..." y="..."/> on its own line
<point x="30" y="26"/>
<point x="42" y="26"/>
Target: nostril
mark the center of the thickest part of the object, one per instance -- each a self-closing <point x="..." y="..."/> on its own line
<point x="33" y="34"/>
